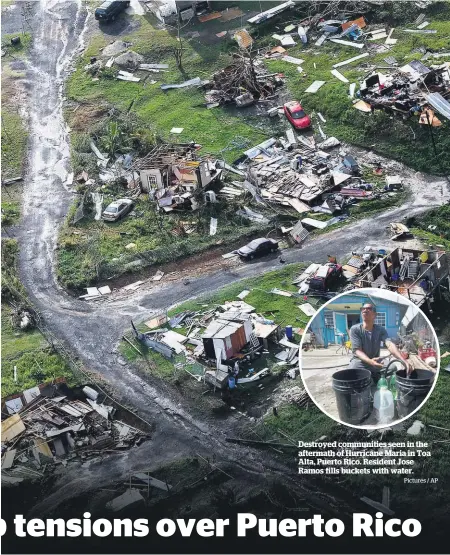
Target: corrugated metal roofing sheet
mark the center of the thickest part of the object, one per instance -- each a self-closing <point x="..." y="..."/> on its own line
<point x="439" y="103"/>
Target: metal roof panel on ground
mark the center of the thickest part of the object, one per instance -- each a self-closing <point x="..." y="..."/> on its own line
<point x="439" y="103"/>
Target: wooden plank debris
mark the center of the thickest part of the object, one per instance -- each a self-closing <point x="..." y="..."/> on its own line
<point x="12" y="427"/>
<point x="377" y="506"/>
<point x="130" y="497"/>
<point x="154" y="482"/>
<point x="314" y="87"/>
<point x="209" y="17"/>
<point x="8" y="459"/>
<point x="213" y="226"/>
<point x="307" y="309"/>
<point x="362" y="106"/>
<point x="127" y="76"/>
<point x="348" y="43"/>
<point x="351" y="60"/>
<point x="292" y="60"/>
<point x="339" y="75"/>
<point x="133" y="286"/>
<point x="105" y="290"/>
<point x="389" y="40"/>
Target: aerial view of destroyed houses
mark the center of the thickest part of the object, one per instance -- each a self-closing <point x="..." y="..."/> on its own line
<point x="184" y="184"/>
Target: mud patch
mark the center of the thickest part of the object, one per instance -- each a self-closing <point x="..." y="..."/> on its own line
<point x="86" y="115"/>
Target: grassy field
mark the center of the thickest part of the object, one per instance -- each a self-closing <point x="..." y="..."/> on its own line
<point x="14" y="135"/>
<point x="439" y="217"/>
<point x="30" y="353"/>
<point x="92" y="250"/>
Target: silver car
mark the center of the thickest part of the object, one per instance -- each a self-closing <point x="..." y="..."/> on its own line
<point x="117" y="209"/>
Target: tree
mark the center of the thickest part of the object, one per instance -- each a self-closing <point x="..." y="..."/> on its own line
<point x="178" y="49"/>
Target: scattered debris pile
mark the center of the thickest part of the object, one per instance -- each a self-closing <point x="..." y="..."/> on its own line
<point x="415" y="274"/>
<point x="299" y="173"/>
<point x="52" y="424"/>
<point x="224" y="341"/>
<point x="243" y="82"/>
<point x="405" y="90"/>
<point x="172" y="174"/>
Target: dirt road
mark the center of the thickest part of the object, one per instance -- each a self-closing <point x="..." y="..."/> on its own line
<point x="92" y="332"/>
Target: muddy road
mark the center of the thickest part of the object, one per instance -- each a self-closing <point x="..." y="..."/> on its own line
<point x="92" y="332"/>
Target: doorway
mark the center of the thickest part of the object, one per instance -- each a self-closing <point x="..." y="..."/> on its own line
<point x="353" y="319"/>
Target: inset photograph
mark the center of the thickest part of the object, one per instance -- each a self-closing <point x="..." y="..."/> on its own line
<point x="369" y="358"/>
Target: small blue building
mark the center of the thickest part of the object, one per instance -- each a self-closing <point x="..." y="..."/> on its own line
<point x="332" y="324"/>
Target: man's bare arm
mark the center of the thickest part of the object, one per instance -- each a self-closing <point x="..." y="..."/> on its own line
<point x="394" y="350"/>
<point x="364" y="358"/>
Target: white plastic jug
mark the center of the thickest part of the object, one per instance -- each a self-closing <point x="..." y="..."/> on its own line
<point x="383" y="404"/>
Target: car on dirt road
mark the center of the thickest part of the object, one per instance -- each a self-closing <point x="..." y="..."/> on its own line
<point x="325" y="277"/>
<point x="110" y="9"/>
<point x="296" y="115"/>
<point x="117" y="210"/>
<point x="257" y="247"/>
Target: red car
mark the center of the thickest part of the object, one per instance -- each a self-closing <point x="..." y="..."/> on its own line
<point x="296" y="115"/>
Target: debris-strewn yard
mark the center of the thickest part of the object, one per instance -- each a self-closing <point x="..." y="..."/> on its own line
<point x="386" y="134"/>
<point x="101" y="93"/>
<point x="187" y="373"/>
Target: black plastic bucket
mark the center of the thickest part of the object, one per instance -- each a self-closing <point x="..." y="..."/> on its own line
<point x="412" y="390"/>
<point x="352" y="390"/>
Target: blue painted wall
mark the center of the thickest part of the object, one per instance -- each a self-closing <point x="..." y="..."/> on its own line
<point x="393" y="314"/>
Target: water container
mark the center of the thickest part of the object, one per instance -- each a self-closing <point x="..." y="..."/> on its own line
<point x="393" y="387"/>
<point x="289" y="332"/>
<point x="412" y="390"/>
<point x="383" y="405"/>
<point x="231" y="382"/>
<point x="353" y="398"/>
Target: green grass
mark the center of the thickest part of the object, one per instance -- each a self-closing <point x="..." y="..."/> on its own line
<point x="10" y="213"/>
<point x="16" y="50"/>
<point x="300" y="424"/>
<point x="32" y="356"/>
<point x="14" y="142"/>
<point x="439" y="217"/>
<point x="91" y="251"/>
<point x="160" y="110"/>
<point x="28" y="350"/>
<point x="283" y="310"/>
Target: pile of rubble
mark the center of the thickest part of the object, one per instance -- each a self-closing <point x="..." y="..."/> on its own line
<point x="296" y="172"/>
<point x="219" y="338"/>
<point x="243" y="82"/>
<point x="406" y="90"/>
<point x="52" y="424"/>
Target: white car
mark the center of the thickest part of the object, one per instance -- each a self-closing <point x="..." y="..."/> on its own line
<point x="117" y="209"/>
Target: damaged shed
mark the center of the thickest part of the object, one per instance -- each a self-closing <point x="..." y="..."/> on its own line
<point x="223" y="338"/>
<point x="172" y="173"/>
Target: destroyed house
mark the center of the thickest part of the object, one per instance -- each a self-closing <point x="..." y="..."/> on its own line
<point x="300" y="175"/>
<point x="405" y="90"/>
<point x="417" y="275"/>
<point x="224" y="338"/>
<point x="172" y="173"/>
